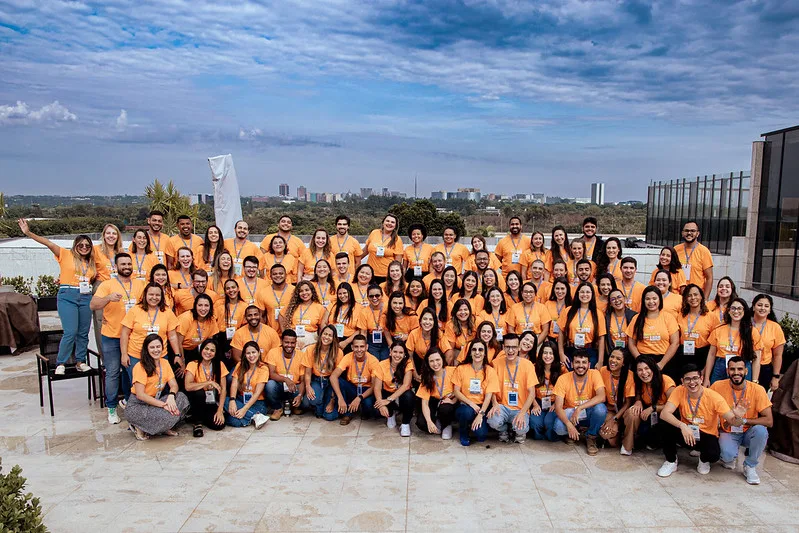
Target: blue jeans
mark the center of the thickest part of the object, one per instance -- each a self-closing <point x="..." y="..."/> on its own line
<point x="112" y="359"/>
<point x="324" y="392"/>
<point x="595" y="418"/>
<point x="128" y="384"/>
<point x="754" y="439"/>
<point x="593" y="355"/>
<point x="503" y="421"/>
<point x="378" y="350"/>
<point x="275" y="395"/>
<point x="258" y="407"/>
<point x="543" y="425"/>
<point x="76" y="319"/>
<point x="720" y="370"/>
<point x="350" y="392"/>
<point x="466" y="416"/>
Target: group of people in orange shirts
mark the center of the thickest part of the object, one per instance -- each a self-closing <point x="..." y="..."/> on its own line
<point x="557" y="342"/>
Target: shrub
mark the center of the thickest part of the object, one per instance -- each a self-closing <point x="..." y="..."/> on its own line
<point x="18" y="511"/>
<point x="21" y="285"/>
<point x="46" y="286"/>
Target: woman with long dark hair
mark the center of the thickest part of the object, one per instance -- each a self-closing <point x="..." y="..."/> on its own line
<point x="542" y="413"/>
<point x="400" y="320"/>
<point x="324" y="283"/>
<point x="513" y="288"/>
<point x="278" y="253"/>
<point x="581" y="328"/>
<point x="560" y="299"/>
<point x="475" y="384"/>
<point x="461" y="327"/>
<point x="196" y="326"/>
<point x="670" y="262"/>
<point x="229" y="314"/>
<point x="469" y="289"/>
<point x="246" y="404"/>
<point x="652" y="391"/>
<point x="610" y="261"/>
<point x="617" y="317"/>
<point x="344" y="317"/>
<point x="428" y="336"/>
<point x="529" y="315"/>
<point x="496" y="311"/>
<point x="619" y="393"/>
<point x="437" y="396"/>
<point x="303" y="314"/>
<point x="653" y="332"/>
<point x="320" y="361"/>
<point x="415" y="294"/>
<point x="696" y="324"/>
<point x="395" y="281"/>
<point x="772" y="339"/>
<point x="726" y="292"/>
<point x="393" y="390"/>
<point x="206" y="388"/>
<point x="437" y="301"/>
<point x="364" y="278"/>
<point x="735" y="336"/>
<point x="144" y="259"/>
<point x="206" y="253"/>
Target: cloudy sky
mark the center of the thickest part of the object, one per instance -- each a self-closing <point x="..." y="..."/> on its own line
<point x="504" y="95"/>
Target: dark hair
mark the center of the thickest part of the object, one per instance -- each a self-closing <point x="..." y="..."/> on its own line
<point x="363" y="266"/>
<point x="623" y="376"/>
<point x="771" y="316"/>
<point x="220" y="247"/>
<point x="736" y="359"/>
<point x="147" y="247"/>
<point x="514" y="217"/>
<point x="484" y="288"/>
<point x="426" y="373"/>
<point x="488" y="306"/>
<point x="199" y="272"/>
<point x="330" y="362"/>
<point x="288" y="332"/>
<point x="456" y="323"/>
<point x="540" y="365"/>
<point x="394" y="236"/>
<point x="358" y="337"/>
<point x="744" y="329"/>
<point x="590" y="220"/>
<point x="391" y="316"/>
<point x="345" y="218"/>
<point x="155" y="212"/>
<point x="507" y="285"/>
<point x="581" y="352"/>
<point x="337" y="306"/>
<point x="640" y="320"/>
<point x="733" y="294"/>
<point x="294" y="302"/>
<point x="493" y="343"/>
<point x="183" y="217"/>
<point x="121" y="255"/>
<point x="326" y="249"/>
<point x="553" y="246"/>
<point x="251" y="259"/>
<point x="147" y="361"/>
<point x="575" y="307"/>
<point x="420" y="227"/>
<point x="434" y="333"/>
<point x="469" y="274"/>
<point x="227" y="299"/>
<point x="687" y="369"/>
<point x="608" y="277"/>
<point x="272" y="245"/>
<point x="454" y="229"/>
<point x="388" y="289"/>
<point x="510" y="337"/>
<point x="565" y="282"/>
<point x="167" y="288"/>
<point x="661" y="269"/>
<point x="656" y="386"/>
<point x="468" y="359"/>
<point x="455" y="287"/>
<point x="244" y="364"/>
<point x="534" y="350"/>
<point x="330" y="279"/>
<point x="629" y="259"/>
<point x="203" y="296"/>
<point x="216" y="362"/>
<point x="686" y="308"/>
<point x="533" y="234"/>
<point x="603" y="261"/>
<point x="422" y="296"/>
<point x="399" y="373"/>
<point x="675" y="265"/>
<point x="143" y="303"/>
<point x="443" y="314"/>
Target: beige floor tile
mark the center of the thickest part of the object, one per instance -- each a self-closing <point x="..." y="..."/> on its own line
<point x="154" y="517"/>
<point x="316" y="514"/>
<point x="229" y="516"/>
<point x="366" y="487"/>
<point x="371" y="514"/>
<point x="261" y="443"/>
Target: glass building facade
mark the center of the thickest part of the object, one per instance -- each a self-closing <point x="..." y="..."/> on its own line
<point x="776" y="267"/>
<point x="718" y="203"/>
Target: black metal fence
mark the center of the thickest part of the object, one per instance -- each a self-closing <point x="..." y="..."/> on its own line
<point x="718" y="203"/>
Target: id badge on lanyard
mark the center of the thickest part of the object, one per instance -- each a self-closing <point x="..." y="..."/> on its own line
<point x="246" y="396"/>
<point x="210" y="396"/>
<point x="513" y="399"/>
<point x="237" y="267"/>
<point x="153" y="328"/>
<point x="417" y="271"/>
<point x="514" y="258"/>
<point x="286" y="385"/>
<point x="579" y="340"/>
<point x="475" y="386"/>
<point x="546" y="403"/>
<point x="689" y="347"/>
<point x="695" y="431"/>
<point x="300" y="330"/>
<point x="229" y="332"/>
<point x="339" y="330"/>
<point x="686" y="269"/>
<point x="377" y="337"/>
<point x="130" y="304"/>
<point x="85" y="287"/>
<point x="380" y="251"/>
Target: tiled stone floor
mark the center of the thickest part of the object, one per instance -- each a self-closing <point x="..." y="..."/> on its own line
<point x="303" y="474"/>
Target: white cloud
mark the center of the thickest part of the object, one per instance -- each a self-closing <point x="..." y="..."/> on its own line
<point x="122" y="120"/>
<point x="20" y="113"/>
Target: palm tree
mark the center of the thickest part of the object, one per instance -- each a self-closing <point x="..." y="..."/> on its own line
<point x="171" y="202"/>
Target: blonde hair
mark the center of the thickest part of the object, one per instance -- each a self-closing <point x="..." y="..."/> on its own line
<point x="117" y="245"/>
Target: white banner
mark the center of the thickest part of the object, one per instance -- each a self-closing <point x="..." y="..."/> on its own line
<point x="227" y="201"/>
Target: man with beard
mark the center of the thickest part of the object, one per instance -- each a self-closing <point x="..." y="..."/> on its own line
<point x="159" y="242"/>
<point x="115" y="297"/>
<point x="240" y="247"/>
<point x="580" y="401"/>
<point x="594" y="246"/>
<point x="696" y="259"/>
<point x="342" y="241"/>
<point x="184" y="298"/>
<point x="699" y="410"/>
<point x="510" y="248"/>
<point x="256" y="331"/>
<point x="286" y="377"/>
<point x="185" y="237"/>
<point x="437" y="265"/>
<point x="751" y="400"/>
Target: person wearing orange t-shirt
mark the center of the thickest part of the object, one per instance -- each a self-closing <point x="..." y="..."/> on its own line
<point x="580" y="401"/>
<point x="542" y="412"/>
<point x="206" y="388"/>
<point x="696" y="323"/>
<point x="303" y="314"/>
<point x="528" y="315"/>
<point x="511" y="405"/>
<point x="455" y="254"/>
<point x="195" y="326"/>
<point x="582" y="328"/>
<point x="652" y="391"/>
<point x="241" y="247"/>
<point x="184" y="298"/>
<point x="735" y="336"/>
<point x="749" y="401"/>
<point x="699" y="410"/>
<point x="393" y="392"/>
<point x="672" y="302"/>
<point x="772" y="339"/>
<point x="321" y="359"/>
<point x="671" y="264"/>
<point x="619" y="393"/>
<point x="510" y="248"/>
<point x="382" y="247"/>
<point x="353" y="382"/>
<point x="416" y="256"/>
<point x="265" y="337"/>
<point x="437" y="395"/>
<point x="655" y="332"/>
<point x="696" y="259"/>
<point x="245" y="403"/>
<point x="185" y="237"/>
<point x="285" y="390"/>
<point x="475" y="384"/>
<point x="633" y="290"/>
<point x="294" y="244"/>
<point x="343" y="242"/>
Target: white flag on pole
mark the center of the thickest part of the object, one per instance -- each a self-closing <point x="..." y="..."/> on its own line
<point x="227" y="201"/>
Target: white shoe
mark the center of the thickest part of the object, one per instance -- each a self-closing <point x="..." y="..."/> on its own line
<point x="122" y="403"/>
<point x="405" y="430"/>
<point x="750" y="473"/>
<point x="520" y="438"/>
<point x="113" y="417"/>
<point x="60" y="370"/>
<point x="703" y="468"/>
<point x="391" y="422"/>
<point x="504" y="436"/>
<point x="694" y="453"/>
<point x="667" y="469"/>
<point x="625" y="451"/>
<point x="83" y="367"/>
<point x="446" y="433"/>
<point x="260" y="420"/>
<point x="729" y="465"/>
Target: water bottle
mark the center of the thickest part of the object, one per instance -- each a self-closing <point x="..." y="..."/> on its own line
<point x="286" y="407"/>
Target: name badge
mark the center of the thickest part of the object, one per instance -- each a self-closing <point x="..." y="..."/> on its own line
<point x="694" y="431"/>
<point x="737" y="429"/>
<point x="583" y="415"/>
<point x="686" y="269"/>
<point x="114" y="275"/>
<point x="339" y="330"/>
<point x="246" y="396"/>
<point x="546" y="403"/>
<point x="300" y="330"/>
<point x="363" y="379"/>
<point x="210" y="397"/>
<point x="513" y="399"/>
<point x="499" y="334"/>
<point x="153" y="329"/>
<point x="653" y="418"/>
<point x="689" y="347"/>
<point x="449" y="260"/>
<point x="229" y="332"/>
<point x="620" y="343"/>
<point x="514" y="258"/>
<point x="654" y="338"/>
<point x="130" y="304"/>
<point x="475" y="386"/>
<point x="286" y="385"/>
<point x="377" y="337"/>
<point x="555" y="327"/>
<point x="579" y="340"/>
<point x="237" y="269"/>
<point x="160" y="255"/>
<point x="380" y="251"/>
<point x="325" y="303"/>
<point x="277" y="313"/>
<point x="196" y="339"/>
<point x="85" y="287"/>
<point x="417" y="271"/>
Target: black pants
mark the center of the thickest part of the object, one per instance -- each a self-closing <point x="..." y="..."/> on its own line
<point x="192" y="354"/>
<point x="405" y="405"/>
<point x="201" y="412"/>
<point x="680" y="359"/>
<point x="766" y="373"/>
<point x="708" y="445"/>
<point x="443" y="413"/>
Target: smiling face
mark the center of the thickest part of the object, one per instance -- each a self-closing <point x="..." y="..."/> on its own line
<point x="110" y="236"/>
<point x="231" y="289"/>
<point x="651" y="301"/>
<point x="289" y="343"/>
<point x="560" y="290"/>
<point x="185" y="259"/>
<point x="389" y="224"/>
<point x="437" y="291"/>
<point x="374" y="296"/>
<point x="305" y="293"/>
<point x="515" y="226"/>
<point x="612" y="250"/>
<point x="449" y="236"/>
<point x="662" y="282"/>
<point x="724" y="288"/>
<point x="435" y="361"/>
<point x="342" y="295"/>
<point x="285" y="224"/>
<point x="463" y="313"/>
<point x="155" y="222"/>
<point x="692" y="381"/>
<point x="365" y="275"/>
<point x="426" y="322"/>
<point x="242" y="230"/>
<point x="213" y="234"/>
<point x="489" y="279"/>
<point x="583" y="272"/>
<point x="395" y="272"/>
<point x="252" y="354"/>
<point x="437" y="263"/>
<point x="628" y="271"/>
<point x="537" y="240"/>
<point x="415" y="288"/>
<point x="416" y="236"/>
<point x="616" y="299"/>
<point x="203" y="307"/>
<point x="253" y="317"/>
<point x="585" y="294"/>
<point x="665" y="257"/>
<point x="495" y="299"/>
<point x="486" y="333"/>
<point x="320" y="238"/>
<point x="559" y="237"/>
<point x="581" y="365"/>
<point x="537" y="270"/>
<point x="481" y="259"/>
<point x="478" y="353"/>
<point x="153" y="296"/>
<point x="528" y="293"/>
<point x="140" y="239"/>
<point x="690" y="232"/>
<point x="322" y="270"/>
<point x="615" y="360"/>
<point x="199" y="283"/>
<point x="449" y="278"/>
<point x="343" y="265"/>
<point x="225" y="261"/>
<point x="605" y="286"/>
<point x="762" y="308"/>
<point x="278" y="276"/>
<point x="737" y="372"/>
<point x="513" y="282"/>
<point x="397" y="304"/>
<point x="526" y="342"/>
<point x="644" y="372"/>
<point x="161" y="277"/>
<point x="578" y="250"/>
<point x="694" y="297"/>
<point x="185" y="228"/>
<point x="547" y="355"/>
<point x="477" y="244"/>
<point x="737" y="311"/>
<point x="559" y="270"/>
<point x="342" y="227"/>
<point x="470" y="283"/>
<point x="326" y="337"/>
<point x="250" y="270"/>
<point x="155" y="348"/>
<point x="208" y="352"/>
<point x="397" y="354"/>
<point x="124" y="266"/>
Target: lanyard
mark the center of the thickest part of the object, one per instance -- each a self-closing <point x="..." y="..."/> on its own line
<point x="127" y="291"/>
<point x="687" y="255"/>
<point x="449" y="253"/>
<point x="209" y="375"/>
<point x="140" y="264"/>
<point x="559" y="308"/>
<point x="691" y="325"/>
<point x="302" y="312"/>
<point x="515" y="243"/>
<point x="256" y="339"/>
<point x="440" y="385"/>
<point x="252" y="291"/>
<point x="188" y="245"/>
<point x="288" y="366"/>
<point x="628" y="295"/>
<point x="239" y="250"/>
<point x="281" y="259"/>
<point x="341" y="244"/>
<point x="735" y="399"/>
<point x="232" y="317"/>
<point x="185" y="281"/>
<point x="249" y="379"/>
<point x="620" y="326"/>
<point x="721" y="314"/>
<point x="589" y="252"/>
<point x="152" y="321"/>
<point x="364" y="299"/>
<point x="691" y="408"/>
<point x="279" y="300"/>
<point x="418" y="254"/>
<point x="612" y="268"/>
<point x="359" y="372"/>
<point x="527" y="316"/>
<point x="156" y="243"/>
<point x="199" y="331"/>
<point x="342" y="313"/>
<point x="377" y="318"/>
<point x="761" y="328"/>
<point x="515" y="371"/>
<point x="323" y="294"/>
<point x="579" y="391"/>
<point x="731" y="344"/>
<point x="581" y="318"/>
<point x="496" y="319"/>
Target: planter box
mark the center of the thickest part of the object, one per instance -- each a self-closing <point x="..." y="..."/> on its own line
<point x="48" y="303"/>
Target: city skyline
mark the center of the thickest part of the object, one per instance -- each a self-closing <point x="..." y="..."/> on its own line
<point x="508" y="96"/>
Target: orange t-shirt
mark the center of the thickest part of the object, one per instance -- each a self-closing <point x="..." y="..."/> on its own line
<point x="646" y="391"/>
<point x="359" y="372"/>
<point x="256" y="375"/>
<point x="525" y="379"/>
<point x="657" y="333"/>
<point x="289" y="262"/>
<point x="700" y="259"/>
<point x="179" y="279"/>
<point x="294" y="244"/>
<point x="708" y="411"/>
<point x="309" y="261"/>
<point x="349" y="245"/>
<point x="160" y="247"/>
<point x="369" y="319"/>
<point x="236" y="311"/>
<point x="507" y="247"/>
<point x="456" y="255"/>
<point x="142" y="265"/>
<point x="176" y="242"/>
<point x="326" y="293"/>
<point x="405" y="324"/>
<point x="266" y="338"/>
<point x="672" y="304"/>
<point x="728" y="343"/>
<point x="771" y="336"/>
<point x="529" y="257"/>
<point x="487" y="377"/>
<point x="275" y="301"/>
<point x="445" y="385"/>
<point x="153" y="385"/>
<point x="416" y="343"/>
<point x="307" y="315"/>
<point x="378" y="263"/>
<point x="754" y="395"/>
<point x="316" y="368"/>
<point x="384" y="374"/>
<point x="351" y="324"/>
<point x="199" y="374"/>
<point x="586" y="327"/>
<point x="612" y="384"/>
<point x="677" y="280"/>
<point x="632" y="295"/>
<point x="200" y="263"/>
<point x="105" y="265"/>
<point x="555" y="315"/>
<point x="140" y="322"/>
<point x="521" y="318"/>
<point x="114" y="312"/>
<point x="184" y="299"/>
<point x="572" y="396"/>
<point x="240" y="252"/>
<point x="696" y="328"/>
<point x="292" y="368"/>
<point x="418" y="256"/>
<point x="71" y="276"/>
<point x="493" y="263"/>
<point x="502" y="323"/>
<point x="194" y="332"/>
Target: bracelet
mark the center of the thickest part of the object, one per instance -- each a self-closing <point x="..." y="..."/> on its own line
<point x="171" y="394"/>
<point x="778" y="376"/>
<point x="482" y="413"/>
<point x="360" y="397"/>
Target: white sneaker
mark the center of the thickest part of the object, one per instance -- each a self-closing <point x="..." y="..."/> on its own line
<point x="625" y="451"/>
<point x="113" y="417"/>
<point x="667" y="469"/>
<point x="729" y="465"/>
<point x="694" y="453"/>
<point x="60" y="370"/>
<point x="122" y="403"/>
<point x="260" y="420"/>
<point x="405" y="430"/>
<point x="391" y="422"/>
<point x="504" y="436"/>
<point x="446" y="433"/>
<point x="750" y="473"/>
<point x="703" y="468"/>
<point x="83" y="367"/>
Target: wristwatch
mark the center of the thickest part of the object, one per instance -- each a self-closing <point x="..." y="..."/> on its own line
<point x="360" y="397"/>
<point x="778" y="376"/>
<point x="743" y="421"/>
<point x="483" y="413"/>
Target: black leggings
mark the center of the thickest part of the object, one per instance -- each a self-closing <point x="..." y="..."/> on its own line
<point x="405" y="405"/>
<point x="443" y="413"/>
<point x="201" y="412"/>
<point x="708" y="445"/>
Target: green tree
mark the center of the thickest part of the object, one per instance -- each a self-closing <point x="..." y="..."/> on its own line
<point x="425" y="212"/>
<point x="171" y="202"/>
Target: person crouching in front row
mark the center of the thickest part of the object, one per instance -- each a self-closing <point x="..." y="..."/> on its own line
<point x="355" y="389"/>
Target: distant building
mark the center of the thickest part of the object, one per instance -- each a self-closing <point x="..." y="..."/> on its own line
<point x="438" y="195"/>
<point x="598" y="193"/>
<point x="199" y="198"/>
<point x="261" y="199"/>
<point x="302" y="193"/>
<point x="366" y="192"/>
<point x="468" y="193"/>
<point x="386" y="193"/>
<point x="284" y="189"/>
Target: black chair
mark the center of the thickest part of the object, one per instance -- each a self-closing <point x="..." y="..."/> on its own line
<point x="46" y="359"/>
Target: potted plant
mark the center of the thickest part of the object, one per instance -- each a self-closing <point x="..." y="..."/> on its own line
<point x="46" y="292"/>
<point x="790" y="326"/>
<point x="21" y="284"/>
<point x="20" y="511"/>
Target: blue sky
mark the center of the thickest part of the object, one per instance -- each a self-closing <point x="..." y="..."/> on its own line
<point x="503" y="95"/>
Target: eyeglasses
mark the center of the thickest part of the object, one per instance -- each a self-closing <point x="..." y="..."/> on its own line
<point x="690" y="231"/>
<point x="373" y="296"/>
<point x="736" y="309"/>
<point x="511" y="348"/>
<point x="692" y="379"/>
